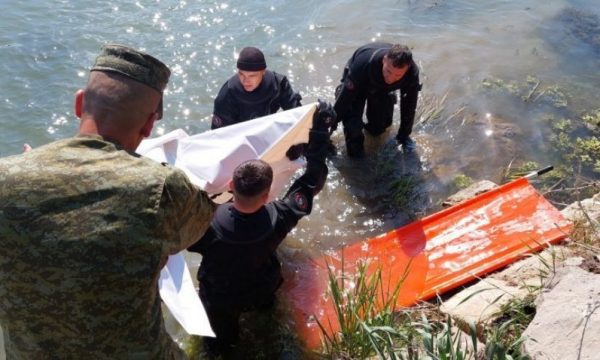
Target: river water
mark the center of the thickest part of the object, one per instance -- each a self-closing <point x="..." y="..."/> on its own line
<point x="465" y="48"/>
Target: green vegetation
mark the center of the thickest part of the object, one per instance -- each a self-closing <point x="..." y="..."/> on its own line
<point x="402" y="190"/>
<point x="530" y="91"/>
<point x="364" y="311"/>
<point x="577" y="143"/>
<point x="503" y="335"/>
<point x="370" y="329"/>
<point x="461" y="181"/>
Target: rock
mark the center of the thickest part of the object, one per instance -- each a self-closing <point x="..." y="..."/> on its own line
<point x="533" y="271"/>
<point x="591" y="207"/>
<point x="479" y="304"/>
<point x="567" y="322"/>
<point x="591" y="263"/>
<point x="469" y="192"/>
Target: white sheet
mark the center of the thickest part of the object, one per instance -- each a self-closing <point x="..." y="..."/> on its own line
<point x="209" y="159"/>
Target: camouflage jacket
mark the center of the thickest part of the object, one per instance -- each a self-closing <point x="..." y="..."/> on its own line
<point x="85" y="228"/>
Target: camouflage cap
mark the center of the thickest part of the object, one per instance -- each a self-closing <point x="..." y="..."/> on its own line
<point x="134" y="64"/>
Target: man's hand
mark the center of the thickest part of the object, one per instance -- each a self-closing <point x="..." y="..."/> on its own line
<point x="324" y="118"/>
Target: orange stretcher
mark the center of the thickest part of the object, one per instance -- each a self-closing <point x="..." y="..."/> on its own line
<point x="430" y="256"/>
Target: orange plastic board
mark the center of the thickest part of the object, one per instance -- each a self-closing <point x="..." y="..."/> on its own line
<point x="433" y="255"/>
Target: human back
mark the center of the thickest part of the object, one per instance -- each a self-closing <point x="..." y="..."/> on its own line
<point x="79" y="281"/>
<point x="87" y="225"/>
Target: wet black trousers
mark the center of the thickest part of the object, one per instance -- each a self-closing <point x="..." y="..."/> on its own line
<point x="379" y="114"/>
<point x="224" y="320"/>
<point x="224" y="314"/>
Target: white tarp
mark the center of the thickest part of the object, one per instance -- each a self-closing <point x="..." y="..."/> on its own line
<point x="209" y="159"/>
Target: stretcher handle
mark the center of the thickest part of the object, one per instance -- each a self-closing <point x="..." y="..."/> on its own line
<point x="539" y="172"/>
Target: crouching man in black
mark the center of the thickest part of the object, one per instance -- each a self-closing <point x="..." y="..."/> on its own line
<point x="240" y="270"/>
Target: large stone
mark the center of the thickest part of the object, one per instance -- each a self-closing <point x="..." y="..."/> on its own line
<point x="533" y="271"/>
<point x="470" y="192"/>
<point x="478" y="304"/>
<point x="584" y="210"/>
<point x="481" y="303"/>
<point x="567" y="322"/>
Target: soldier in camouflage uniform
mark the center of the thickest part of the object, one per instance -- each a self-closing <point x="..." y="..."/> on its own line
<point x="86" y="225"/>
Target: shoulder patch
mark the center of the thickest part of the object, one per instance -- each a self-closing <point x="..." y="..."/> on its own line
<point x="300" y="200"/>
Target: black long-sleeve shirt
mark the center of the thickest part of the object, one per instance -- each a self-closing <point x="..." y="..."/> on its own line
<point x="239" y="262"/>
<point x="233" y="104"/>
<point x="363" y="75"/>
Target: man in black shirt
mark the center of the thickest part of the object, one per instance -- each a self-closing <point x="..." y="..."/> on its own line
<point x="253" y="92"/>
<point x="372" y="76"/>
<point x="240" y="270"/>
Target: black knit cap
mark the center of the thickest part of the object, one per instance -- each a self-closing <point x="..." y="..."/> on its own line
<point x="251" y="59"/>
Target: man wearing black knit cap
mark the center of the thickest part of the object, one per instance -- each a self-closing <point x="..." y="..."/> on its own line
<point x="253" y="92"/>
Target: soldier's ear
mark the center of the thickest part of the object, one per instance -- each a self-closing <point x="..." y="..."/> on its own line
<point x="230" y="184"/>
<point x="79" y="95"/>
<point x="148" y="125"/>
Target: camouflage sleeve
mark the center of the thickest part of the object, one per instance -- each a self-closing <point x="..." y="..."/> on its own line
<point x="186" y="212"/>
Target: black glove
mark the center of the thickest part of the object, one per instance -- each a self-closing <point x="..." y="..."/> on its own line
<point x="295" y="151"/>
<point x="333" y="127"/>
<point x="324" y="118"/>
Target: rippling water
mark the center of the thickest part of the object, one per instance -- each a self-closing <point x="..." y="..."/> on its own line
<point x="46" y="48"/>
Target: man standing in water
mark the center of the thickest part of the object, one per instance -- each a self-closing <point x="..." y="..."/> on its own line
<point x="240" y="270"/>
<point x="253" y="92"/>
<point x="86" y="225"/>
<point x="372" y="75"/>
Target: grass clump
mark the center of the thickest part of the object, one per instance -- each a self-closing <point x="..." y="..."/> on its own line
<point x="461" y="181"/>
<point x="402" y="190"/>
<point x="364" y="311"/>
<point x="504" y="334"/>
<point x="530" y="91"/>
<point x="370" y="328"/>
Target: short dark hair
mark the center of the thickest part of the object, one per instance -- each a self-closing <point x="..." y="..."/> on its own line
<point x="400" y="55"/>
<point x="252" y="178"/>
